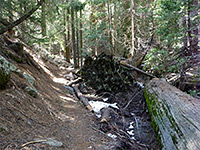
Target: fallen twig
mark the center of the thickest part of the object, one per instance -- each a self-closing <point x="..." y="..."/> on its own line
<point x="99" y="131"/>
<point x="32" y="142"/>
<point x="134" y="95"/>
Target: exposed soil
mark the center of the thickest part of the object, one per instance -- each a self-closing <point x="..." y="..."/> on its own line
<point x="53" y="114"/>
<point x="25" y="121"/>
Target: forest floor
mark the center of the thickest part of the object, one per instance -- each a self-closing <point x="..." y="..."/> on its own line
<point x="56" y="119"/>
<point x="53" y="115"/>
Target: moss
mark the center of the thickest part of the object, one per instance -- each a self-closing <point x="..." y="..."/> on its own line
<point x="154" y="113"/>
<point x="31" y="91"/>
<point x="172" y="121"/>
<point x="174" y="139"/>
<point x="158" y="112"/>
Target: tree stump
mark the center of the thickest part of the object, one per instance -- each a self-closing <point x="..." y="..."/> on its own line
<point x="175" y="116"/>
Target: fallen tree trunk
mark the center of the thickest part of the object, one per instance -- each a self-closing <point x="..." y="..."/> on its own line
<point x="175" y="116"/>
<point x="20" y="20"/>
<point x="82" y="98"/>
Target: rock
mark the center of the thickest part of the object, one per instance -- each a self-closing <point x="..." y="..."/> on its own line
<point x="4" y="72"/>
<point x="31" y="91"/>
<point x="29" y="78"/>
<point x="54" y="143"/>
<point x="69" y="89"/>
<point x="51" y="142"/>
<point x="15" y="70"/>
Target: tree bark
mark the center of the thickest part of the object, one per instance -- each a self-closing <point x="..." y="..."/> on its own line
<point x="189" y="28"/>
<point x="136" y="69"/>
<point x="68" y="53"/>
<point x="73" y="35"/>
<point x="174" y="115"/>
<point x="43" y="20"/>
<point x="20" y="20"/>
<point x="194" y="41"/>
<point x="82" y="98"/>
<point x="115" y="27"/>
<point x="133" y="51"/>
<point x="77" y="40"/>
<point x="65" y="35"/>
<point x="1" y="6"/>
<point x="81" y="37"/>
<point x="110" y="26"/>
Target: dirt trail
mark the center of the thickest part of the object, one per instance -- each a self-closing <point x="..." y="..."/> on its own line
<point x="54" y="114"/>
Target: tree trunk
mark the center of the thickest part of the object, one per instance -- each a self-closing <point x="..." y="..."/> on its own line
<point x="189" y="28"/>
<point x="81" y="37"/>
<point x="43" y="20"/>
<point x="1" y="6"/>
<point x="22" y="27"/>
<point x="110" y="26"/>
<point x="65" y="35"/>
<point x="20" y="20"/>
<point x="77" y="40"/>
<point x="73" y="36"/>
<point x="68" y="53"/>
<point x="133" y="51"/>
<point x="81" y="97"/>
<point x="115" y="27"/>
<point x="175" y="116"/>
<point x="194" y="41"/>
<point x="93" y="28"/>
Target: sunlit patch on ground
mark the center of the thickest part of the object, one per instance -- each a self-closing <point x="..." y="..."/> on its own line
<point x="64" y="98"/>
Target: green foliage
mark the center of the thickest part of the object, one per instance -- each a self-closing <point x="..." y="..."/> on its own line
<point x="162" y="62"/>
<point x="78" y="5"/>
<point x="168" y="15"/>
<point x="194" y="93"/>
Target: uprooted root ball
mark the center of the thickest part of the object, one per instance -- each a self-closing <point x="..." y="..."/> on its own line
<point x="104" y="74"/>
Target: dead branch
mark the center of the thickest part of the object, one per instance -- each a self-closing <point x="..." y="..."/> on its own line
<point x="136" y="69"/>
<point x="132" y="98"/>
<point x="32" y="142"/>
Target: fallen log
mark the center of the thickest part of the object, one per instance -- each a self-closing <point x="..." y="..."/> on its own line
<point x="137" y="69"/>
<point x="175" y="116"/>
<point x="82" y="98"/>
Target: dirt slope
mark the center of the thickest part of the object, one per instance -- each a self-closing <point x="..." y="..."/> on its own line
<point x="53" y="114"/>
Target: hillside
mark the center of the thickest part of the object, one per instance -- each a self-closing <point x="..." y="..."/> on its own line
<point x="53" y="114"/>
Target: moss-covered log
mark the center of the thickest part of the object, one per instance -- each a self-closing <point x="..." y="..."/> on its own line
<point x="175" y="116"/>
